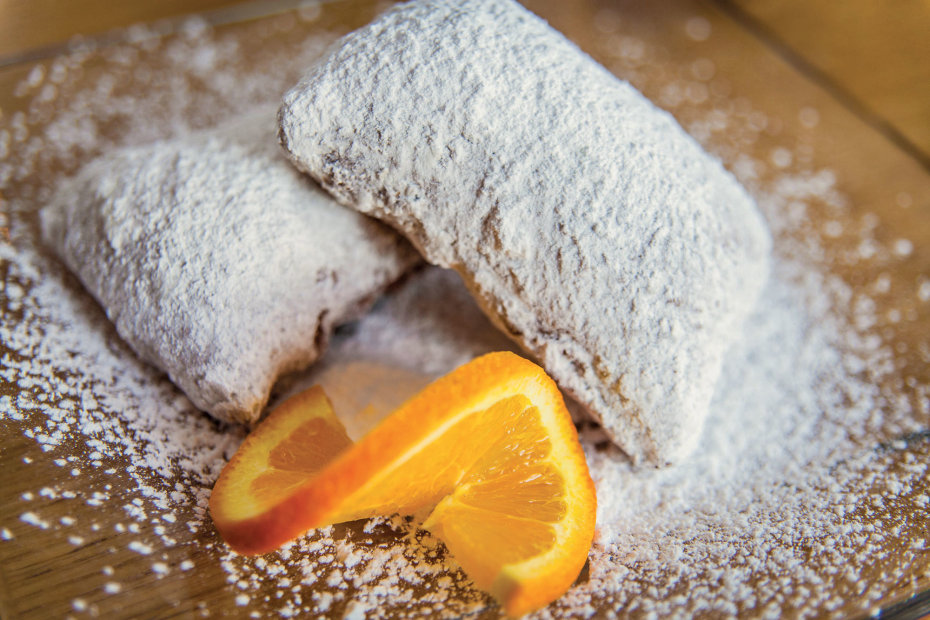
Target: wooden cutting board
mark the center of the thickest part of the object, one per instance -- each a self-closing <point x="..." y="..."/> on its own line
<point x="869" y="128"/>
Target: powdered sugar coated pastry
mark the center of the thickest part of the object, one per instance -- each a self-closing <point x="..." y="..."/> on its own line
<point x="217" y="261"/>
<point x="590" y="227"/>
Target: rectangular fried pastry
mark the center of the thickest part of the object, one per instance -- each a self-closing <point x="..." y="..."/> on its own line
<point x="217" y="261"/>
<point x="590" y="227"/>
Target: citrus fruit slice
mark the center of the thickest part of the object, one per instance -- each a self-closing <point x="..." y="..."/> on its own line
<point x="295" y="441"/>
<point x="489" y="449"/>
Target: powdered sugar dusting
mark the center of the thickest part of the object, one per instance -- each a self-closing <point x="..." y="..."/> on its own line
<point x="632" y="252"/>
<point x="246" y="272"/>
<point x="808" y="492"/>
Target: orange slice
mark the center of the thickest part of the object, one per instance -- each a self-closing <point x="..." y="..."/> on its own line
<point x="489" y="449"/>
<point x="295" y="441"/>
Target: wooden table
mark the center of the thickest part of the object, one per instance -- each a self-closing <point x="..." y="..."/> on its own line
<point x="847" y="84"/>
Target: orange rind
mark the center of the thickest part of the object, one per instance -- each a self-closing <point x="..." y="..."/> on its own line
<point x="489" y="450"/>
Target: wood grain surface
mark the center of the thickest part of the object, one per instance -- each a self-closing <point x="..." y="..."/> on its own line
<point x="872" y="131"/>
<point x="28" y="25"/>
<point x="873" y="55"/>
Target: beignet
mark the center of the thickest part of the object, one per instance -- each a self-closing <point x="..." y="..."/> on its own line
<point x="217" y="261"/>
<point x="590" y="227"/>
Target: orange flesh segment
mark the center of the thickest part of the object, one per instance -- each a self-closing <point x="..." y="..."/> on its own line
<point x="428" y="475"/>
<point x="305" y="451"/>
<point x="489" y="448"/>
<point x="295" y="441"/>
<point x="490" y="539"/>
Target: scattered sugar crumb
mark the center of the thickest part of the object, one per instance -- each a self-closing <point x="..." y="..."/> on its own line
<point x="923" y="290"/>
<point x="904" y="200"/>
<point x="33" y="519"/>
<point x="140" y="548"/>
<point x="809" y="117"/>
<point x="781" y="157"/>
<point x="698" y="28"/>
<point x="903" y="247"/>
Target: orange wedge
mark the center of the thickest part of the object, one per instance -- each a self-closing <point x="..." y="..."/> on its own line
<point x="489" y="449"/>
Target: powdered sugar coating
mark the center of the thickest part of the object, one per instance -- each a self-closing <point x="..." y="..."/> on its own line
<point x="591" y="228"/>
<point x="218" y="262"/>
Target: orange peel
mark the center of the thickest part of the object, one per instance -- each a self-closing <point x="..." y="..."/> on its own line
<point x="489" y="449"/>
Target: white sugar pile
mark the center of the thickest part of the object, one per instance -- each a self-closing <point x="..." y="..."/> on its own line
<point x="786" y="505"/>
